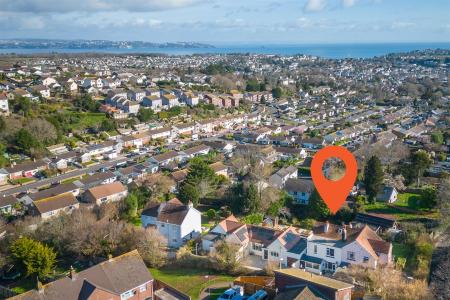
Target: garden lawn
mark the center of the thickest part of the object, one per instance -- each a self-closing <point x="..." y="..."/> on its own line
<point x="408" y="200"/>
<point x="87" y="119"/>
<point x="189" y="281"/>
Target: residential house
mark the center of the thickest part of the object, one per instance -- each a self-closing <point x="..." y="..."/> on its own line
<point x="219" y="169"/>
<point x="52" y="206"/>
<point x="64" y="188"/>
<point x="333" y="246"/>
<point x="4" y="106"/>
<point x="96" y="180"/>
<point x="62" y="161"/>
<point x="313" y="143"/>
<point x="286" y="153"/>
<point x="160" y="133"/>
<point x="281" y="176"/>
<point x="190" y="99"/>
<point x="27" y="169"/>
<point x="7" y="204"/>
<point x="292" y="282"/>
<point x="184" y="129"/>
<point x="177" y="222"/>
<point x="123" y="277"/>
<point x="170" y="100"/>
<point x="165" y="159"/>
<point x="57" y="149"/>
<point x="42" y="90"/>
<point x="378" y="222"/>
<point x="193" y="152"/>
<point x="4" y="175"/>
<point x="300" y="189"/>
<point x="104" y="193"/>
<point x="153" y="101"/>
<point x="388" y="194"/>
<point x="136" y="95"/>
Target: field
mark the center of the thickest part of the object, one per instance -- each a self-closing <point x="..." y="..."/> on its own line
<point x="405" y="208"/>
<point x="189" y="281"/>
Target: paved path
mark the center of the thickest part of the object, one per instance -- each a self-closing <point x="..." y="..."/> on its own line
<point x="204" y="295"/>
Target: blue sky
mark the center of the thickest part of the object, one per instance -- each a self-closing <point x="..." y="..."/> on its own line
<point x="230" y="21"/>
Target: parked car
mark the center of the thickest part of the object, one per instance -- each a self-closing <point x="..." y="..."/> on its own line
<point x="231" y="293"/>
<point x="259" y="295"/>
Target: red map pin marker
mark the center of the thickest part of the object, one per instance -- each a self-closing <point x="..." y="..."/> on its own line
<point x="332" y="192"/>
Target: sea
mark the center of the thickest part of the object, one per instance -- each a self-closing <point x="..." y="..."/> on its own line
<point x="334" y="51"/>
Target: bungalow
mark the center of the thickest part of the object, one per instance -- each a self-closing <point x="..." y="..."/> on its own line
<point x="376" y="221"/>
<point x="177" y="222"/>
<point x="219" y="168"/>
<point x="165" y="158"/>
<point x="110" y="192"/>
<point x="281" y="176"/>
<point x="57" y="149"/>
<point x="184" y="129"/>
<point x="300" y="189"/>
<point x="160" y="133"/>
<point x="286" y="153"/>
<point x="27" y="169"/>
<point x="193" y="152"/>
<point x="96" y="180"/>
<point x="65" y="188"/>
<point x="7" y="204"/>
<point x="313" y="143"/>
<point x="52" y="206"/>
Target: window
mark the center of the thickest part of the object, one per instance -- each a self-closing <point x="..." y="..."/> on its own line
<point x="315" y="249"/>
<point x="330" y="252"/>
<point x="274" y="254"/>
<point x="127" y="295"/>
<point x="162" y="225"/>
<point x="366" y="259"/>
<point x="257" y="247"/>
<point x="142" y="288"/>
<point x="350" y="255"/>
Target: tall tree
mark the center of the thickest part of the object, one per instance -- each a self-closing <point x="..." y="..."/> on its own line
<point x="317" y="207"/>
<point x="252" y="200"/>
<point x="34" y="257"/>
<point x="420" y="161"/>
<point x="373" y="177"/>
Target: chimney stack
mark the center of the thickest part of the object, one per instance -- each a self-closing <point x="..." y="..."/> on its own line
<point x="326" y="226"/>
<point x="344" y="232"/>
<point x="72" y="273"/>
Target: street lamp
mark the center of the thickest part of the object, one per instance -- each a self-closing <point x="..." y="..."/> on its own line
<point x="281" y="260"/>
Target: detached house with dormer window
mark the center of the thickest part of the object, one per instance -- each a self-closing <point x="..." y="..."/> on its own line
<point x="176" y="221"/>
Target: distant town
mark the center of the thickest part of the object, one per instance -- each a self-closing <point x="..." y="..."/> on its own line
<point x="188" y="177"/>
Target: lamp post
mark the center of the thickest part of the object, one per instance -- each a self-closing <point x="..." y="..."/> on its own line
<point x="281" y="260"/>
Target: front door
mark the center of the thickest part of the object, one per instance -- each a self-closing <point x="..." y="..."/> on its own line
<point x="266" y="254"/>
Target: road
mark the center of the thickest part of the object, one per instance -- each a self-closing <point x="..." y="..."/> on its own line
<point x="62" y="177"/>
<point x="79" y="172"/>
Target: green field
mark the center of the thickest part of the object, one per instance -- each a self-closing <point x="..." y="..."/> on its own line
<point x="407" y="201"/>
<point x="189" y="281"/>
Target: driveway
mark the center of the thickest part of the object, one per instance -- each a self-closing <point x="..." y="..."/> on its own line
<point x="254" y="263"/>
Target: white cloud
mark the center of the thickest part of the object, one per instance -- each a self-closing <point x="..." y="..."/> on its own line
<point x="402" y="25"/>
<point x="65" y="6"/>
<point x="315" y="5"/>
<point x="348" y="3"/>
